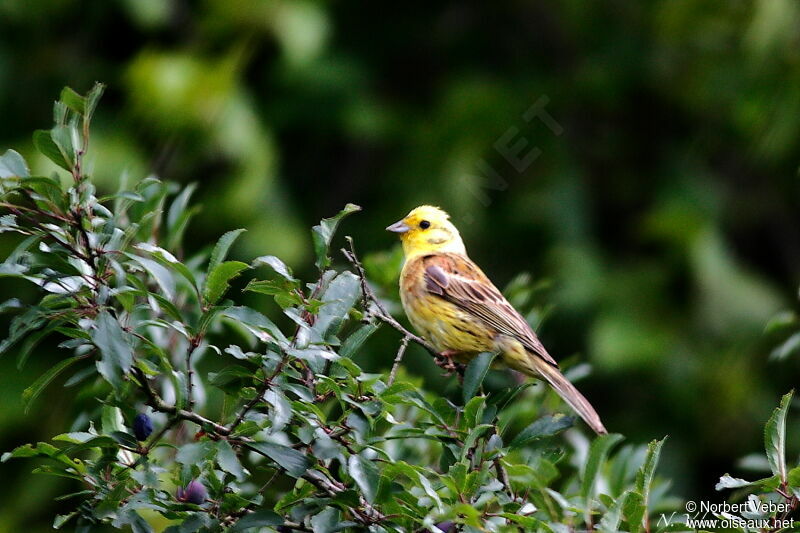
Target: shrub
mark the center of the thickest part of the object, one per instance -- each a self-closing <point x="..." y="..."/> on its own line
<point x="305" y="439"/>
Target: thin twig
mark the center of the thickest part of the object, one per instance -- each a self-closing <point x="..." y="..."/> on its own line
<point x="194" y="342"/>
<point x="379" y="311"/>
<point x="154" y="401"/>
<point x="258" y="397"/>
<point x="397" y="359"/>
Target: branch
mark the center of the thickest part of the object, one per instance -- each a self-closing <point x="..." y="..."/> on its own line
<point x="154" y="401"/>
<point x="366" y="514"/>
<point x="397" y="359"/>
<point x="378" y="310"/>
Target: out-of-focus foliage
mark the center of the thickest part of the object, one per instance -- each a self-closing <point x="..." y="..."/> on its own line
<point x="661" y="225"/>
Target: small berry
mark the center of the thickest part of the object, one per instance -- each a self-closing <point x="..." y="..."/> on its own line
<point x="195" y="492"/>
<point x="447" y="527"/>
<point x="284" y="529"/>
<point x="142" y="426"/>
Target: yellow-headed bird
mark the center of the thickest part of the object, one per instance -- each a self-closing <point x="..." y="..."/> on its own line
<point x="452" y="303"/>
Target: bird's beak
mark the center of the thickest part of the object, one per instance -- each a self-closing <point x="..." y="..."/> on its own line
<point x="398" y="227"/>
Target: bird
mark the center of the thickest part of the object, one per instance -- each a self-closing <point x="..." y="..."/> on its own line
<point x="455" y="307"/>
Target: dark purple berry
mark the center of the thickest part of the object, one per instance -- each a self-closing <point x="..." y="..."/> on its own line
<point x="142" y="426"/>
<point x="447" y="527"/>
<point x="195" y="492"/>
<point x="284" y="529"/>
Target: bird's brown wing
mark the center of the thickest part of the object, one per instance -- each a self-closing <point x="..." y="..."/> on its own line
<point x="459" y="281"/>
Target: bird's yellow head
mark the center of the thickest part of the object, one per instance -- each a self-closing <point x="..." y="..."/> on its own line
<point x="427" y="229"/>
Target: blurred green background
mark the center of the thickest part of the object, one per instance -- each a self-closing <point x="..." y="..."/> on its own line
<point x="659" y="201"/>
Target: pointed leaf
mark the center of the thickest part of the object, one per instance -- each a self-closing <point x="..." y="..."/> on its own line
<point x="598" y="451"/>
<point x="116" y="355"/>
<point x="365" y="474"/>
<point x="257" y="323"/>
<point x="73" y="100"/>
<point x="775" y="437"/>
<point x="222" y="247"/>
<point x="644" y="478"/>
<point x="476" y="371"/>
<point x="218" y="279"/>
<point x="45" y="144"/>
<point x="258" y="519"/>
<point x="275" y="264"/>
<point x="228" y="461"/>
<point x="294" y="462"/>
<point x="323" y="234"/>
<point x="353" y="343"/>
<point x="33" y="392"/>
<point x="162" y="276"/>
<point x="547" y="426"/>
<point x="729" y="482"/>
<point x="338" y="298"/>
<point x="13" y="165"/>
<point x="92" y="98"/>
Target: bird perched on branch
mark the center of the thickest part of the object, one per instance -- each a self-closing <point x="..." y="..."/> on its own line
<point x="452" y="303"/>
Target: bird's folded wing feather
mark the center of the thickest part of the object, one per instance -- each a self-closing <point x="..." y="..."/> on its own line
<point x="461" y="282"/>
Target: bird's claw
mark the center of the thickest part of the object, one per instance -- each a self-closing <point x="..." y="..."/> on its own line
<point x="445" y="361"/>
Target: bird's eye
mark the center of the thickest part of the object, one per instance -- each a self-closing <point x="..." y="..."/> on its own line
<point x="424" y="224"/>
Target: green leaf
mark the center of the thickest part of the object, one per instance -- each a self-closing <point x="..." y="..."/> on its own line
<point x="613" y="516"/>
<point x="327" y="521"/>
<point x="62" y="519"/>
<point x="529" y="523"/>
<point x="294" y="462"/>
<point x="365" y="474"/>
<point x="780" y="322"/>
<point x="793" y="479"/>
<point x="275" y="264"/>
<point x="644" y="478"/>
<point x="33" y="392"/>
<point x="338" y="298"/>
<point x="231" y="378"/>
<point x="285" y="295"/>
<point x="634" y="510"/>
<point x="92" y="98"/>
<point x="162" y="276"/>
<point x="228" y="460"/>
<point x="194" y="523"/>
<point x="195" y="453"/>
<point x="476" y="371"/>
<point x="111" y="420"/>
<point x="178" y="217"/>
<point x="222" y="247"/>
<point x="168" y="260"/>
<point x="73" y="100"/>
<point x="729" y="482"/>
<point x="124" y="438"/>
<point x="116" y="355"/>
<point x="46" y="145"/>
<point x="598" y="451"/>
<point x="786" y="349"/>
<point x="219" y="278"/>
<point x="547" y="426"/>
<point x="13" y="165"/>
<point x="322" y="234"/>
<point x="21" y="326"/>
<point x="257" y="519"/>
<point x="63" y="137"/>
<point x="775" y="437"/>
<point x="257" y="323"/>
<point x="353" y="343"/>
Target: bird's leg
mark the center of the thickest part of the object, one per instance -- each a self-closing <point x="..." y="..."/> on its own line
<point x="444" y="359"/>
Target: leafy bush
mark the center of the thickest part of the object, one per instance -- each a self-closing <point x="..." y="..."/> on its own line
<point x="303" y="438"/>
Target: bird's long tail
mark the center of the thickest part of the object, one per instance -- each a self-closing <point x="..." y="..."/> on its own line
<point x="572" y="396"/>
